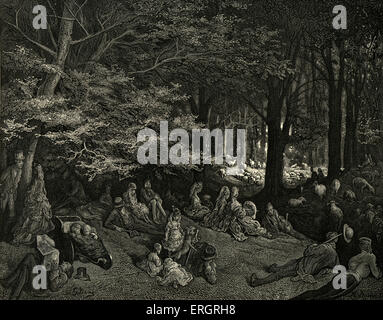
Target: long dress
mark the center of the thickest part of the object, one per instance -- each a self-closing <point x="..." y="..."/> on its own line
<point x="238" y="213"/>
<point x="249" y="224"/>
<point x="174" y="236"/>
<point x="138" y="209"/>
<point x="196" y="210"/>
<point x="212" y="219"/>
<point x="152" y="264"/>
<point x="37" y="215"/>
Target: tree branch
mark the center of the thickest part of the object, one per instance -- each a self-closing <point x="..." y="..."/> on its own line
<point x="254" y="107"/>
<point x="40" y="45"/>
<point x="91" y="36"/>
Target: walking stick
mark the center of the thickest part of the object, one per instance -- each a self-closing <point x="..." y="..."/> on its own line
<point x="191" y="247"/>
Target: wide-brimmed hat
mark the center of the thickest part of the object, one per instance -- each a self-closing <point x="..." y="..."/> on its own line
<point x="209" y="253"/>
<point x="348" y="233"/>
<point x="365" y="240"/>
<point x="81" y="274"/>
<point x="118" y="202"/>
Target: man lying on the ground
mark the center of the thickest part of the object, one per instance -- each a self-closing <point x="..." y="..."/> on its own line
<point x="359" y="268"/>
<point x="315" y="259"/>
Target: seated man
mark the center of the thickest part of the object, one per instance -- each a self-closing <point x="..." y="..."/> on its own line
<point x="275" y="224"/>
<point x="359" y="268"/>
<point x="120" y="219"/>
<point x="271" y="220"/>
<point x="315" y="258"/>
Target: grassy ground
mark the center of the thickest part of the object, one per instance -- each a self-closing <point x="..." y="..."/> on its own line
<point x="235" y="263"/>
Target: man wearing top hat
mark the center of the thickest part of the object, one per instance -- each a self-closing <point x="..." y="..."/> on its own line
<point x="9" y="182"/>
<point x="359" y="267"/>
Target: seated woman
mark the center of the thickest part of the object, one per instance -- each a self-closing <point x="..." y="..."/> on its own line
<point x="153" y="201"/>
<point x="174" y="234"/>
<point x="37" y="213"/>
<point x="212" y="219"/>
<point x="174" y="274"/>
<point x="196" y="210"/>
<point x="249" y="224"/>
<point x="152" y="264"/>
<point x="242" y="219"/>
<point x="97" y="211"/>
<point x="138" y="209"/>
<point x="237" y="214"/>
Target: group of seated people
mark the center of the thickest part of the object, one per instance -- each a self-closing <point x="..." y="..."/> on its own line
<point x="126" y="211"/>
<point x="128" y="214"/>
<point x="181" y="244"/>
<point x="229" y="215"/>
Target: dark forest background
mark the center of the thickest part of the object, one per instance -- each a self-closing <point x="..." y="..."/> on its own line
<point x="76" y="94"/>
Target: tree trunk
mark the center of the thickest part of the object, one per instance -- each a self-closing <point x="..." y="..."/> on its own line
<point x="335" y="89"/>
<point x="3" y="156"/>
<point x="334" y="134"/>
<point x="64" y="43"/>
<point x="276" y="143"/>
<point x="262" y="155"/>
<point x="350" y="135"/>
<point x="274" y="164"/>
<point x="26" y="176"/>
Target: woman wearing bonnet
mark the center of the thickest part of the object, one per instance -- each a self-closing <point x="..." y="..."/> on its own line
<point x="37" y="212"/>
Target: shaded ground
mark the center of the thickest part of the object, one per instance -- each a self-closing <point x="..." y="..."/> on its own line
<point x="235" y="262"/>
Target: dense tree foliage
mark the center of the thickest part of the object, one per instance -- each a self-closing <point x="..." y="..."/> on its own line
<point x="103" y="70"/>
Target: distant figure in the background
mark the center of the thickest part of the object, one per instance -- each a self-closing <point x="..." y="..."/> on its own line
<point x="314" y="175"/>
<point x="367" y="161"/>
<point x="321" y="175"/>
